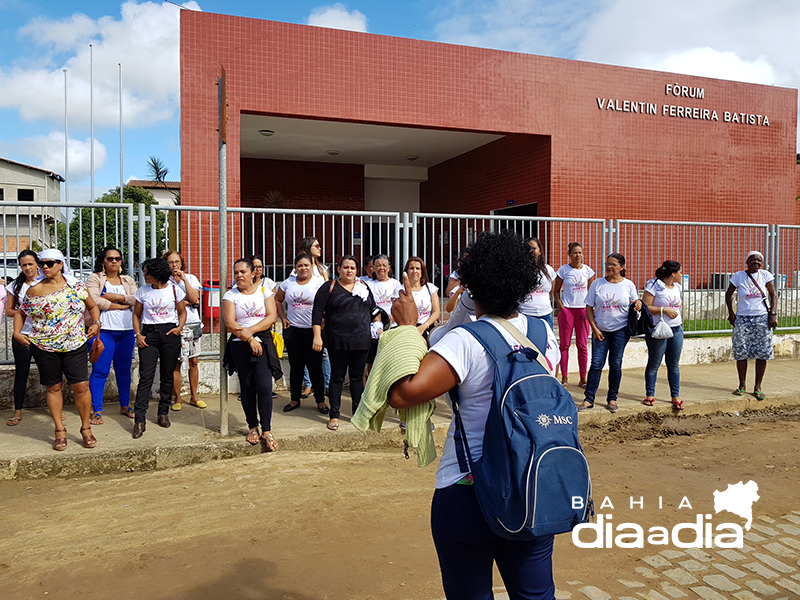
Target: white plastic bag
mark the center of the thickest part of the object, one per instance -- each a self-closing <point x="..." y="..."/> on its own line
<point x="662" y="331"/>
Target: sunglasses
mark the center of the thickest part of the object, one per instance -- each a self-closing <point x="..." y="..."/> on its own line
<point x="49" y="263"/>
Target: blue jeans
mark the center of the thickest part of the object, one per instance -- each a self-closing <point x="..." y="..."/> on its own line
<point x="546" y="318"/>
<point x="468" y="549"/>
<point x="612" y="347"/>
<point x="119" y="346"/>
<point x="656" y="350"/>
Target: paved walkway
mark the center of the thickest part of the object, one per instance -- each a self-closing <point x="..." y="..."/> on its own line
<point x="26" y="450"/>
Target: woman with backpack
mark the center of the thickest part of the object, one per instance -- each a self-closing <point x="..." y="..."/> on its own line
<point x="158" y="319"/>
<point x="607" y="306"/>
<point x="499" y="272"/>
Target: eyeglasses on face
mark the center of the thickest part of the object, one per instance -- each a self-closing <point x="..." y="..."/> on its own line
<point x="49" y="263"/>
<point x="114" y="258"/>
<point x="315" y="245"/>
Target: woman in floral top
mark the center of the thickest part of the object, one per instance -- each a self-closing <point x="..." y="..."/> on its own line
<point x="58" y="340"/>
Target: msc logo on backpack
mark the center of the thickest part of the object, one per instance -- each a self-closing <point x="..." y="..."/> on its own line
<point x="533" y="478"/>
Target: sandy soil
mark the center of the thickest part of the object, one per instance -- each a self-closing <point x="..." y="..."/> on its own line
<point x="336" y="526"/>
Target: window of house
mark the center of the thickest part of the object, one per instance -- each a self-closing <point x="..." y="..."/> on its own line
<point x="1" y="195"/>
<point x="25" y="195"/>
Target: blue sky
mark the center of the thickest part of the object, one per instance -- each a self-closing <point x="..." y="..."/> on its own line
<point x="745" y="40"/>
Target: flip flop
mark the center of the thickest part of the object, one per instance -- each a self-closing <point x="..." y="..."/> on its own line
<point x="252" y="436"/>
<point x="612" y="408"/>
<point x="13" y="421"/>
<point x="759" y="395"/>
<point x="677" y="404"/>
<point x="649" y="401"/>
<point x="739" y="392"/>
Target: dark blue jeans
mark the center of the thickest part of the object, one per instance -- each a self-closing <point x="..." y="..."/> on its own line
<point x="468" y="549"/>
<point x="611" y="347"/>
<point x="671" y="350"/>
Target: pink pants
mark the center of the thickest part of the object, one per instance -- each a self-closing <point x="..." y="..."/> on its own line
<point x="569" y="318"/>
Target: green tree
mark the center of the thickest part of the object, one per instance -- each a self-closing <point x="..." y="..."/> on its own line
<point x="90" y="229"/>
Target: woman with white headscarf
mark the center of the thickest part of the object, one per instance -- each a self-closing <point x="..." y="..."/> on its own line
<point x="55" y="302"/>
<point x="754" y="320"/>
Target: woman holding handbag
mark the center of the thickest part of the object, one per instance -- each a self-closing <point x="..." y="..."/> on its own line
<point x="754" y="320"/>
<point x="663" y="298"/>
<point x="113" y="290"/>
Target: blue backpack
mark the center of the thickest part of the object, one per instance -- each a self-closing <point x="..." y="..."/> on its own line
<point x="533" y="478"/>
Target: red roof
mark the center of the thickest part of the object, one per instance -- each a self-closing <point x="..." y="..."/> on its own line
<point x="147" y="184"/>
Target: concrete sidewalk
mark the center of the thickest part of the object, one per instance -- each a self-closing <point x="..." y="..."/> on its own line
<point x="26" y="449"/>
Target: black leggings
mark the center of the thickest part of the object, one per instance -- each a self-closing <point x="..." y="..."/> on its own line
<point x="341" y="360"/>
<point x="301" y="355"/>
<point x="22" y="368"/>
<point x="161" y="349"/>
<point x="255" y="380"/>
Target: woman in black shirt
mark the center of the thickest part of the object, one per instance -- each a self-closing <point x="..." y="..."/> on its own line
<point x="347" y="306"/>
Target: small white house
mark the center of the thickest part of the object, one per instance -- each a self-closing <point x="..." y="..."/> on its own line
<point x="164" y="192"/>
<point x="25" y="226"/>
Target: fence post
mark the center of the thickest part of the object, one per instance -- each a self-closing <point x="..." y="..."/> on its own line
<point x="153" y="245"/>
<point x="406" y="227"/>
<point x="142" y="255"/>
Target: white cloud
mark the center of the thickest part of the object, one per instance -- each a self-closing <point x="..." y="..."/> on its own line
<point x="337" y="16"/>
<point x="145" y="39"/>
<point x="552" y="28"/>
<point x="742" y="40"/>
<point x="49" y="150"/>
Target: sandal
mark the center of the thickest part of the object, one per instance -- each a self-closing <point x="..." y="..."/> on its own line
<point x="127" y="411"/>
<point x="13" y="421"/>
<point x="88" y="440"/>
<point x="759" y="395"/>
<point x="97" y="418"/>
<point x="252" y="436"/>
<point x="740" y="391"/>
<point x="612" y="408"/>
<point x="323" y="408"/>
<point x="60" y="443"/>
<point x="649" y="401"/>
<point x="583" y="407"/>
<point x="333" y="426"/>
<point x="269" y="441"/>
<point x="677" y="404"/>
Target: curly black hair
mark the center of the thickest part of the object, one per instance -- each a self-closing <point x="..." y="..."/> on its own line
<point x="101" y="257"/>
<point x="499" y="270"/>
<point x="157" y="268"/>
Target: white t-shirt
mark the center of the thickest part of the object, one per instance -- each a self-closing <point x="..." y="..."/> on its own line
<point x="576" y="285"/>
<point x="464" y="312"/>
<point x="116" y="320"/>
<point x="158" y="306"/>
<point x="383" y="292"/>
<point x="250" y="308"/>
<point x="317" y="272"/>
<point x="611" y="303"/>
<point x="192" y="314"/>
<point x="300" y="300"/>
<point x="537" y="303"/>
<point x="750" y="302"/>
<point x="475" y="371"/>
<point x="423" y="299"/>
<point x="667" y="298"/>
<point x="267" y="284"/>
<point x="10" y="289"/>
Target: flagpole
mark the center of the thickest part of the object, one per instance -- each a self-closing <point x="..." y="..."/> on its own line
<point x="91" y="116"/>
<point x="66" y="141"/>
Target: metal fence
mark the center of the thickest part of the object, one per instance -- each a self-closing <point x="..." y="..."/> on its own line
<point x="709" y="252"/>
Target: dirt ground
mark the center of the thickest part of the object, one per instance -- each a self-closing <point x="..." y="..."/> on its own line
<point x="354" y="525"/>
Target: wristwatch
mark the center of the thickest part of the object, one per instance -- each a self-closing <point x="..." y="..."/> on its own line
<point x="772" y="312"/>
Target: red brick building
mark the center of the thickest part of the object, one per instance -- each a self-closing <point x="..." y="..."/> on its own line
<point x="342" y="120"/>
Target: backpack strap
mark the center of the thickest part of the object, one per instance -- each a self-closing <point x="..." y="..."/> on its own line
<point x="459" y="435"/>
<point x="522" y="340"/>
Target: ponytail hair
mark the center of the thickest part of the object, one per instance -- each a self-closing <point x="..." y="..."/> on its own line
<point x="19" y="281"/>
<point x="620" y="260"/>
<point x="667" y="268"/>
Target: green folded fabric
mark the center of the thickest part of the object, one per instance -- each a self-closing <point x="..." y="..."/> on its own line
<point x="400" y="351"/>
